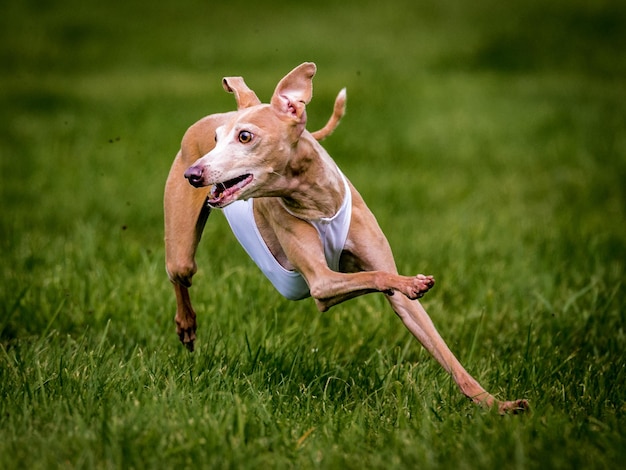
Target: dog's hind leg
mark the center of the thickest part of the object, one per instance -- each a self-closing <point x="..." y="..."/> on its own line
<point x="420" y="325"/>
<point x="186" y="214"/>
<point x="369" y="250"/>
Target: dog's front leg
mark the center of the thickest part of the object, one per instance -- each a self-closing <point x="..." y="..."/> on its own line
<point x="185" y="213"/>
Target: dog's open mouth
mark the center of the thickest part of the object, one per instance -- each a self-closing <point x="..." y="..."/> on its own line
<point x="224" y="193"/>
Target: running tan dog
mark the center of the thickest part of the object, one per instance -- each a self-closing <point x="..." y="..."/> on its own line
<point x="294" y="212"/>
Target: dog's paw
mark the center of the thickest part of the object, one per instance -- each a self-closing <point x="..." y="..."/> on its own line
<point x="186" y="332"/>
<point x="514" y="407"/>
<point x="187" y="339"/>
<point x="418" y="286"/>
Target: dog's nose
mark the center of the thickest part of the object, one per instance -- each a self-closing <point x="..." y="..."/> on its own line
<point x="194" y="176"/>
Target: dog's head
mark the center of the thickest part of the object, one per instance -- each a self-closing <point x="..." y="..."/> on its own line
<point x="253" y="148"/>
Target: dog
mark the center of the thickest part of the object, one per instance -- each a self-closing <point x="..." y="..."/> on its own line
<point x="294" y="212"/>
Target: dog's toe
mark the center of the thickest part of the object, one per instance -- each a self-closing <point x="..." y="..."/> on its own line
<point x="187" y="337"/>
<point x="419" y="286"/>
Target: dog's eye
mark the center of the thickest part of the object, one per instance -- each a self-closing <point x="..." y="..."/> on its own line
<point x="245" y="137"/>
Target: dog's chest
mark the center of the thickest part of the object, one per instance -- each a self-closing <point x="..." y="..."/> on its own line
<point x="333" y="233"/>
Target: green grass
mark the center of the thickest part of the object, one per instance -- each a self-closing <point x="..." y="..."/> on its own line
<point x="487" y="137"/>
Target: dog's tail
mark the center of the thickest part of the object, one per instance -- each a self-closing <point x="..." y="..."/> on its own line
<point x="338" y="111"/>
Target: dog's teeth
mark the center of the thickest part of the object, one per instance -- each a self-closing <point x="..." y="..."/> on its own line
<point x="216" y="190"/>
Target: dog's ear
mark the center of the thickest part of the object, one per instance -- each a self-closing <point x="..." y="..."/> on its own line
<point x="244" y="96"/>
<point x="294" y="92"/>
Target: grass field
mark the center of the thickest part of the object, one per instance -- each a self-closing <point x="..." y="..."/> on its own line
<point x="489" y="138"/>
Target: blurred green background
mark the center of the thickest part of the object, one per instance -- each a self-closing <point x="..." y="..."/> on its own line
<point x="501" y="122"/>
<point x="488" y="138"/>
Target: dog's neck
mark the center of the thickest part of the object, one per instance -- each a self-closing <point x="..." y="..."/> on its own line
<point x="314" y="186"/>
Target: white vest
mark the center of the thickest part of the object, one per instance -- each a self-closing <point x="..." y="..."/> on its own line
<point x="333" y="232"/>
